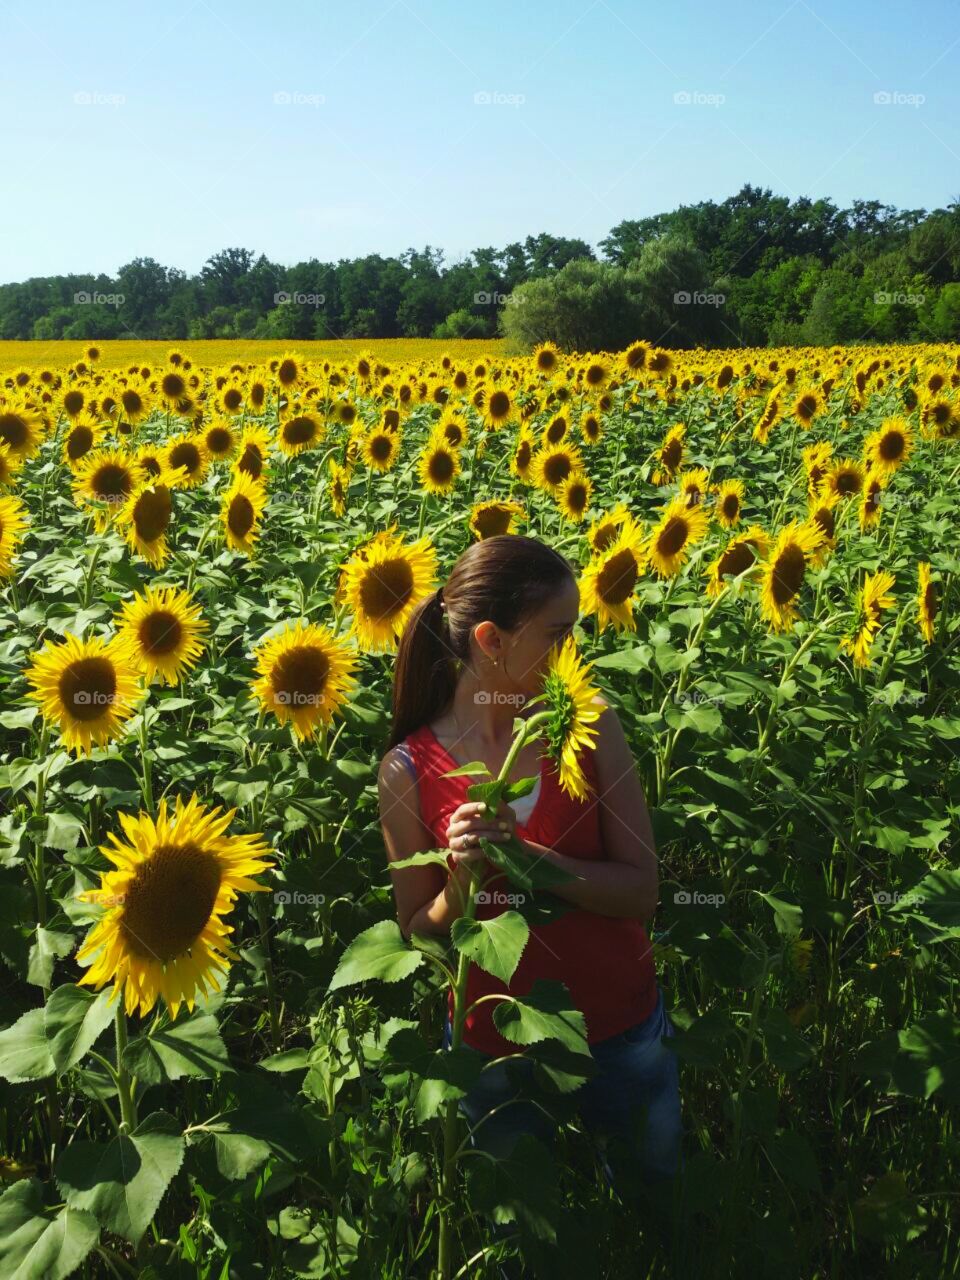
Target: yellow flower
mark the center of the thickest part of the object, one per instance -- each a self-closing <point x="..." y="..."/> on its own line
<point x="885" y="450"/>
<point x="162" y="631"/>
<point x="439" y="466"/>
<point x="926" y="602"/>
<point x="609" y="582"/>
<point x="243" y="505"/>
<point x="383" y="583"/>
<point x="144" y="520"/>
<point x="105" y="477"/>
<point x="574" y="496"/>
<point x="670" y="454"/>
<point x="729" y="502"/>
<point x="742" y="551"/>
<point x="679" y="528"/>
<point x="337" y="487"/>
<point x="163" y="932"/>
<point x="784" y="572"/>
<point x="491" y="519"/>
<point x="305" y="676"/>
<point x="575" y="708"/>
<point x="88" y="688"/>
<point x="873" y="596"/>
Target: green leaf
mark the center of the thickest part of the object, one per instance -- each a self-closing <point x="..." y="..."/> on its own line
<point x="888" y="1212"/>
<point x="25" y="1051"/>
<point x="704" y="1041"/>
<point x="49" y="947"/>
<point x="476" y="768"/>
<point x="930" y="1057"/>
<point x="379" y="952"/>
<point x="523" y="1186"/>
<point x="442" y="1073"/>
<point x="73" y="1020"/>
<point x="37" y="1243"/>
<point x="635" y="659"/>
<point x="792" y="1157"/>
<point x="122" y="1182"/>
<point x="424" y="859"/>
<point x="786" y="1047"/>
<point x="932" y="907"/>
<point x="496" y="945"/>
<point x="546" y="1013"/>
<point x="517" y="790"/>
<point x="526" y="870"/>
<point x="187" y="1047"/>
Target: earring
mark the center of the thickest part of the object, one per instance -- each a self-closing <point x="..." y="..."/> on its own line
<point x="496" y="662"/>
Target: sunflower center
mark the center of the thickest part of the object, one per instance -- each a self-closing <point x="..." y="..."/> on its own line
<point x="299" y="677"/>
<point x="381" y="447"/>
<point x="736" y="559"/>
<point x="617" y="578"/>
<point x="185" y="455"/>
<point x="232" y="399"/>
<point x="251" y="462"/>
<point x="160" y="632"/>
<point x="499" y="404"/>
<point x="731" y="505"/>
<point x="152" y="514"/>
<point x="806" y="408"/>
<point x="523" y="454"/>
<point x="891" y="446"/>
<point x="88" y="688"/>
<point x="787" y="577"/>
<point x="441" y="467"/>
<point x="299" y="430"/>
<point x="80" y="442"/>
<point x="112" y="482"/>
<point x="606" y="535"/>
<point x="577" y="497"/>
<point x="824" y="517"/>
<point x="493" y="521"/>
<point x="173" y="386"/>
<point x="557" y="468"/>
<point x="673" y="536"/>
<point x="287" y="373"/>
<point x="169" y="901"/>
<point x="240" y="516"/>
<point x="670" y="454"/>
<point x="848" y="482"/>
<point x="13" y="430"/>
<point x="73" y="402"/>
<point x="219" y="440"/>
<point x="386" y="588"/>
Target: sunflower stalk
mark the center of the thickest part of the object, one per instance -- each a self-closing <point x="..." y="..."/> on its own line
<point x="125" y="1082"/>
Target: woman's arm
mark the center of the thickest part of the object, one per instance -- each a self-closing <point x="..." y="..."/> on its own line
<point x="626" y="881"/>
<point x="428" y="898"/>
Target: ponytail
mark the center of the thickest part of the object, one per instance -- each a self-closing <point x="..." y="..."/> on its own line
<point x="425" y="674"/>
<point x="503" y="579"/>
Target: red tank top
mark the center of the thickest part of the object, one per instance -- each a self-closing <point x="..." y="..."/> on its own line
<point x="604" y="961"/>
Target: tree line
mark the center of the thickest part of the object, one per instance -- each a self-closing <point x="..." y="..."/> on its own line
<point x="753" y="269"/>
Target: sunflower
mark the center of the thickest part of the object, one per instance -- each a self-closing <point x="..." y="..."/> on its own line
<point x="574" y="708"/>
<point x="549" y="468"/>
<point x="384" y="581"/>
<point x="608" y="583"/>
<point x="693" y="486"/>
<point x="305" y="674"/>
<point x="816" y="458"/>
<point x="150" y="461"/>
<point x="381" y="449"/>
<point x="784" y="571"/>
<point x="679" y="528"/>
<point x="230" y="400"/>
<point x="173" y="387"/>
<point x="491" y="519"/>
<point x="604" y="532"/>
<point x="453" y="429"/>
<point x="844" y="477"/>
<point x="439" y="466"/>
<point x="289" y="370"/>
<point x="591" y="428"/>
<point x="13" y="521"/>
<point x="573" y="496"/>
<point x="253" y="453"/>
<point x="337" y="486"/>
<point x="771" y="415"/>
<point x="926" y="602"/>
<point x="821" y="510"/>
<point x="185" y="460"/>
<point x="807" y="406"/>
<point x="162" y="631"/>
<point x="872" y="597"/>
<point x="107" y="477"/>
<point x="21" y="430"/>
<point x="521" y="463"/>
<point x="729" y="502"/>
<point x="243" y="505"/>
<point x="635" y="357"/>
<point x="546" y="358"/>
<point x="298" y="433"/>
<point x="885" y="450"/>
<point x="670" y="454"/>
<point x="144" y="520"/>
<point x="9" y="466"/>
<point x="219" y="441"/>
<point x="596" y="374"/>
<point x="87" y="687"/>
<point x="741" y="552"/>
<point x="555" y="430"/>
<point x="163" y="933"/>
<point x="871" y="499"/>
<point x="498" y="407"/>
<point x="81" y="439"/>
<point x="73" y="402"/>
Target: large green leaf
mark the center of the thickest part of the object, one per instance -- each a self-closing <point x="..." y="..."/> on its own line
<point x="379" y="952"/>
<point x="122" y="1182"/>
<point x="547" y="1012"/>
<point x="74" y="1019"/>
<point x="529" y="871"/>
<point x="187" y="1047"/>
<point x="37" y="1243"/>
<point x="49" y="947"/>
<point x="25" y="1050"/>
<point x="523" y="1187"/>
<point x="932" y="907"/>
<point x="496" y="945"/>
<point x="440" y="1073"/>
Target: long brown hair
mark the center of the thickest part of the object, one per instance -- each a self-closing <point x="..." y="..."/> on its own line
<point x="502" y="580"/>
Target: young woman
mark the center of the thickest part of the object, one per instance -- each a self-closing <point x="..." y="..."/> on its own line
<point x="469" y="658"/>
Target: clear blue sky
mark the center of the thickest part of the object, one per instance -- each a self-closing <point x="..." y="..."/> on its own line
<point x="141" y="128"/>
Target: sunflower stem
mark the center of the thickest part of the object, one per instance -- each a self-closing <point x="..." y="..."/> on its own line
<point x="145" y="762"/>
<point x="261" y="909"/>
<point x="128" y="1106"/>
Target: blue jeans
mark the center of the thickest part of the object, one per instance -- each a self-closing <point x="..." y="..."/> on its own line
<point x="631" y="1108"/>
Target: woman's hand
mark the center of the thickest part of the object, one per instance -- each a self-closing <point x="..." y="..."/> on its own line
<point x="473" y="822"/>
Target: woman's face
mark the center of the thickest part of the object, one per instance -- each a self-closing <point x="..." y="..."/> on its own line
<point x="524" y="651"/>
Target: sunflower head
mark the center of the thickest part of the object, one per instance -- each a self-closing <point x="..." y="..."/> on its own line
<point x="383" y="583"/>
<point x="574" y="707"/>
<point x="87" y="688"/>
<point x="305" y="675"/>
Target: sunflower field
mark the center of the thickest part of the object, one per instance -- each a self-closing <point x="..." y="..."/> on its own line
<point x="219" y="1056"/>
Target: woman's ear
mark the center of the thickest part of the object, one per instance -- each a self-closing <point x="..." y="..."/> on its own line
<point x="488" y="639"/>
